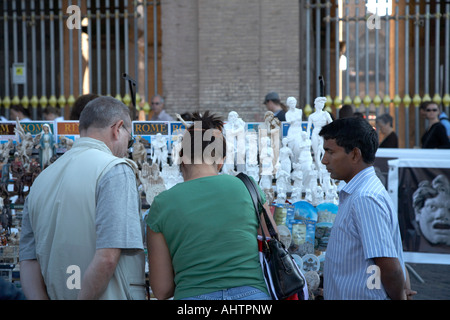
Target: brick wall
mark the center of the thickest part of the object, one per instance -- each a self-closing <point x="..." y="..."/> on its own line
<point x="224" y="55"/>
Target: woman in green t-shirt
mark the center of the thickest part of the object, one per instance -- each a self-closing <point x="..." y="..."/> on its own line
<point x="201" y="234"/>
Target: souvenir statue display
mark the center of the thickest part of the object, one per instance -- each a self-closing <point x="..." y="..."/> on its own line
<point x="285" y="163"/>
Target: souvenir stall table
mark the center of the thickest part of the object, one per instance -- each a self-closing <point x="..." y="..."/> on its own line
<point x="283" y="158"/>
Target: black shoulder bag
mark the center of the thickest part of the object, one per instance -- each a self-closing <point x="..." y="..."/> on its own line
<point x="282" y="274"/>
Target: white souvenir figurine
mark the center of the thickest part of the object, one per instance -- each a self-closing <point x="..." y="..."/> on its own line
<point x="286" y="155"/>
<point x="159" y="149"/>
<point x="266" y="157"/>
<point x="283" y="183"/>
<point x="318" y="119"/>
<point x="176" y="148"/>
<point x="5" y="150"/>
<point x="297" y="187"/>
<point x="171" y="175"/>
<point x="294" y="118"/>
<point x="46" y="145"/>
<point x="234" y="131"/>
<point x="139" y="153"/>
<point x="271" y="128"/>
<point x="151" y="180"/>
<point x="251" y="156"/>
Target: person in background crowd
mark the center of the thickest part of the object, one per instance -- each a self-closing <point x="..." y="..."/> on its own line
<point x="346" y="111"/>
<point x="435" y="135"/>
<point x="80" y="103"/>
<point x="443" y="118"/>
<point x="84" y="239"/>
<point x="158" y="113"/>
<point x="224" y="263"/>
<point x="52" y="114"/>
<point x="273" y="103"/>
<point x="19" y="112"/>
<point x="390" y="139"/>
<point x="365" y="238"/>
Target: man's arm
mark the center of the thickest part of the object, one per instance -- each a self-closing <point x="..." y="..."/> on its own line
<point x="98" y="273"/>
<point x="160" y="264"/>
<point x="392" y="277"/>
<point x="33" y="285"/>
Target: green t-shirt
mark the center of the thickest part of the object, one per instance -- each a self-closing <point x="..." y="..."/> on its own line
<point x="210" y="227"/>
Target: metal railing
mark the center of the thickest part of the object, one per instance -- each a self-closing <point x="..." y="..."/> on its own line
<point x="383" y="61"/>
<point x="53" y="51"/>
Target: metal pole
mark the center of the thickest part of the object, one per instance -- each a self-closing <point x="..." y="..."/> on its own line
<point x="416" y="74"/>
<point x="437" y="48"/>
<point x="108" y="50"/>
<point x="427" y="49"/>
<point x="336" y="48"/>
<point x="126" y="41"/>
<point x="145" y="52"/>
<point x="367" y="52"/>
<point x="407" y="99"/>
<point x="396" y="69"/>
<point x="318" y="40"/>
<point x="6" y="44"/>
<point x="347" y="51"/>
<point x="447" y="52"/>
<point x="24" y="44"/>
<point x="52" y="50"/>
<point x="62" y="99"/>
<point x="34" y="99"/>
<point x="70" y="59"/>
<point x="99" y="48"/>
<point x="155" y="43"/>
<point x="15" y="49"/>
<point x="117" y="39"/>
<point x="308" y="54"/>
<point x="43" y="100"/>
<point x="89" y="30"/>
<point x="357" y="54"/>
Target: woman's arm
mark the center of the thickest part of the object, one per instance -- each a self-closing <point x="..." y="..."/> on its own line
<point x="160" y="266"/>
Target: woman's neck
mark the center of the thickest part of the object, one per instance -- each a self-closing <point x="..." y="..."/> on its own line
<point x="196" y="171"/>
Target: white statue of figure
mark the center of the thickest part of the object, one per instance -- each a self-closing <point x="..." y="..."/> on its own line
<point x="27" y="143"/>
<point x="318" y="119"/>
<point x="271" y="128"/>
<point x="331" y="195"/>
<point x="251" y="155"/>
<point x="234" y="132"/>
<point x="266" y="164"/>
<point x="317" y="195"/>
<point x="176" y="148"/>
<point x="325" y="180"/>
<point x="139" y="153"/>
<point x="286" y="155"/>
<point x="151" y="180"/>
<point x="294" y="118"/>
<point x="46" y="145"/>
<point x="171" y="175"/>
<point x="283" y="183"/>
<point x="305" y="159"/>
<point x="5" y="150"/>
<point x="297" y="186"/>
<point x="159" y="149"/>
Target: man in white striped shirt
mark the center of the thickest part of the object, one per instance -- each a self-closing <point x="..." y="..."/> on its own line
<point x="364" y="257"/>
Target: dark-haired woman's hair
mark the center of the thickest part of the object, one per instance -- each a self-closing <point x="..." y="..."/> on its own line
<point x="80" y="103"/>
<point x="351" y="133"/>
<point x="207" y="133"/>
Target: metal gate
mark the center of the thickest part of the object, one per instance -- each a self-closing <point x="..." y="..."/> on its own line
<point x="380" y="56"/>
<point x="53" y="51"/>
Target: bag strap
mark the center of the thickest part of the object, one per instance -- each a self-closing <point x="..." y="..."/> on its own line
<point x="257" y="203"/>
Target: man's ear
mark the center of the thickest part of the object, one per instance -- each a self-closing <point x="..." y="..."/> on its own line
<point x="356" y="155"/>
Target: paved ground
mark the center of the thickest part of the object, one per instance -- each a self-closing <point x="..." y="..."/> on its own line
<point x="437" y="281"/>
